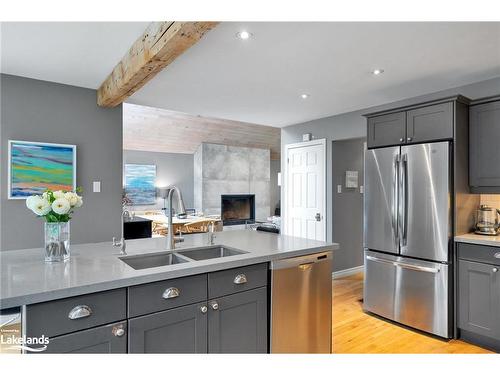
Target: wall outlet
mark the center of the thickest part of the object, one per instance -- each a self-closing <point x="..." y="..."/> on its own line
<point x="96" y="186"/>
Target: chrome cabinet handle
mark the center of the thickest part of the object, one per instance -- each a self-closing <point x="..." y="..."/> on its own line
<point x="203" y="309"/>
<point x="495" y="270"/>
<point x="172" y="292"/>
<point x="409" y="139"/>
<point x="401" y="139"/>
<point x="240" y="279"/>
<point x="79" y="312"/>
<point x="403" y="265"/>
<point x="118" y="331"/>
<point x="497" y="255"/>
<point x="214" y="305"/>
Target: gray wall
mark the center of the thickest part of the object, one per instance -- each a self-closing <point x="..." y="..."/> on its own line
<point x="42" y="111"/>
<point x="221" y="169"/>
<point x="171" y="169"/>
<point x="348" y="155"/>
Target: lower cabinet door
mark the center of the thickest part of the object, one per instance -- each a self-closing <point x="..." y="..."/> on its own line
<point x="479" y="298"/>
<point x="179" y="330"/>
<point x="111" y="338"/>
<point x="238" y="323"/>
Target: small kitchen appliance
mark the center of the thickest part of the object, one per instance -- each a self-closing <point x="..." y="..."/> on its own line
<point x="487" y="220"/>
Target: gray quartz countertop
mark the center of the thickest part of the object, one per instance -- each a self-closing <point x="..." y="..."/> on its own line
<point x="478" y="239"/>
<point x="25" y="278"/>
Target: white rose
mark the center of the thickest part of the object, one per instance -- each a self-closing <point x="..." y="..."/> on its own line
<point x="31" y="200"/>
<point x="79" y="201"/>
<point x="71" y="197"/>
<point x="58" y="194"/>
<point x="61" y="206"/>
<point x="41" y="206"/>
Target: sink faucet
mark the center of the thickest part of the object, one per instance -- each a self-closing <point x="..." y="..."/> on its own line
<point x="211" y="234"/>
<point x="122" y="245"/>
<point x="171" y="239"/>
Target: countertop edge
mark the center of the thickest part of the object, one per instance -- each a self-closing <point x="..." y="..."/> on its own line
<point x="476" y="239"/>
<point x="197" y="268"/>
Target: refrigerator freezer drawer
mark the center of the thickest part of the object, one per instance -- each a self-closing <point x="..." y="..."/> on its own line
<point x="408" y="291"/>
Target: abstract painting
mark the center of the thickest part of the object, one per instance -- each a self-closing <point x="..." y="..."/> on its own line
<point x="140" y="184"/>
<point x="35" y="167"/>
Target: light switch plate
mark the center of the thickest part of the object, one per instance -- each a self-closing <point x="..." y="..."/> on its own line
<point x="339" y="189"/>
<point x="96" y="186"/>
<point x="361" y="189"/>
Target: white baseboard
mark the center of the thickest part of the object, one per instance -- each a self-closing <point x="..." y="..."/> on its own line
<point x="347" y="272"/>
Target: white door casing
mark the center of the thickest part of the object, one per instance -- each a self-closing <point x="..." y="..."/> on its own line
<point x="305" y="190"/>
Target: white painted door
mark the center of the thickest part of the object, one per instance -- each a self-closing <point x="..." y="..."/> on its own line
<point x="305" y="190"/>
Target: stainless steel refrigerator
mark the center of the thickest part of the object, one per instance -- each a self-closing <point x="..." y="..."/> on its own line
<point x="407" y="235"/>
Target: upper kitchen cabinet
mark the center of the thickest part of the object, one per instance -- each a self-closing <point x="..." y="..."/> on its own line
<point x="425" y="122"/>
<point x="484" y="152"/>
<point x="387" y="130"/>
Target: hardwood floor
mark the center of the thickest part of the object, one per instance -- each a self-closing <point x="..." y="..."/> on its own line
<point x="357" y="332"/>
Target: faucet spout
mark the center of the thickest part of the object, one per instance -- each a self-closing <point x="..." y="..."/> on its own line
<point x="181" y="210"/>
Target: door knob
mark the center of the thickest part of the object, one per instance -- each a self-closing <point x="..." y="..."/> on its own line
<point x="318" y="217"/>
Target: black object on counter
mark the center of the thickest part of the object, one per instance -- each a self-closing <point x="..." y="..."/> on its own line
<point x="137" y="227"/>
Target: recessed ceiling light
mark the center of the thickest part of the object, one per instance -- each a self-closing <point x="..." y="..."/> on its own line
<point x="304" y="96"/>
<point x="244" y="35"/>
<point x="377" y="72"/>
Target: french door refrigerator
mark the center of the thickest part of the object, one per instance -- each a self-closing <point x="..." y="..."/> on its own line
<point x="407" y="235"/>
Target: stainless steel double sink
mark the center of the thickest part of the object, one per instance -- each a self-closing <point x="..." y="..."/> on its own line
<point x="166" y="258"/>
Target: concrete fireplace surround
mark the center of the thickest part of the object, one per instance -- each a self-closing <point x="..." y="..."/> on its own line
<point x="220" y="169"/>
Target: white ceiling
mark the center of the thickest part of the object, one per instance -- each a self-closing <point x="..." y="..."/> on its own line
<point x="75" y="53"/>
<point x="260" y="80"/>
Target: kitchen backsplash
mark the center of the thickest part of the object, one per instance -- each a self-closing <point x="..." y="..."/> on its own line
<point x="492" y="200"/>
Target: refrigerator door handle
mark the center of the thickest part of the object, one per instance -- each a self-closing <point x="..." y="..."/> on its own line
<point x="403" y="198"/>
<point x="395" y="188"/>
<point x="404" y="265"/>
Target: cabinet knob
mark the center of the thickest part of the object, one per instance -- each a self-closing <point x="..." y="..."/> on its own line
<point x="171" y="293"/>
<point x="214" y="305"/>
<point x="409" y="139"/>
<point x="497" y="255"/>
<point x="495" y="270"/>
<point x="401" y="139"/>
<point x="118" y="331"/>
<point x="203" y="309"/>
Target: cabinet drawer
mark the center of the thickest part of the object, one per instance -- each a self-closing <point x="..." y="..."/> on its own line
<point x="111" y="338"/>
<point x="66" y="315"/>
<point x="235" y="280"/>
<point x="163" y="295"/>
<point x="479" y="253"/>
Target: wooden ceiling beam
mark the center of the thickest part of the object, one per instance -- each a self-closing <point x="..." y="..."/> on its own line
<point x="158" y="46"/>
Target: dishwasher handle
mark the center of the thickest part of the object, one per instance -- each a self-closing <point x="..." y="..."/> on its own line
<point x="302" y="262"/>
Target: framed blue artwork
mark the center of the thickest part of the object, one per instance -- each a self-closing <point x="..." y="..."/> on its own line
<point x="35" y="167"/>
<point x="140" y="184"/>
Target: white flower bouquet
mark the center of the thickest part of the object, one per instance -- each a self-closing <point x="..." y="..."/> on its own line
<point x="55" y="206"/>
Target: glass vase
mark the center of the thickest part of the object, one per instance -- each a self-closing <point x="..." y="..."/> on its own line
<point x="57" y="242"/>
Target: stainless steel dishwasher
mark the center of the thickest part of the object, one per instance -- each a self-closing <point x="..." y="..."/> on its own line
<point x="301" y="304"/>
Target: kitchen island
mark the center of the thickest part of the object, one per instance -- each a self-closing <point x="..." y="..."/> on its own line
<point x="56" y="298"/>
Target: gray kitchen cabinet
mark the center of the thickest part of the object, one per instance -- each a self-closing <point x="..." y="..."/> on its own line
<point x="430" y="123"/>
<point x="479" y="298"/>
<point x="178" y="330"/>
<point x="386" y="130"/>
<point x="237" y="323"/>
<point x="484" y="150"/>
<point x="111" y="338"/>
